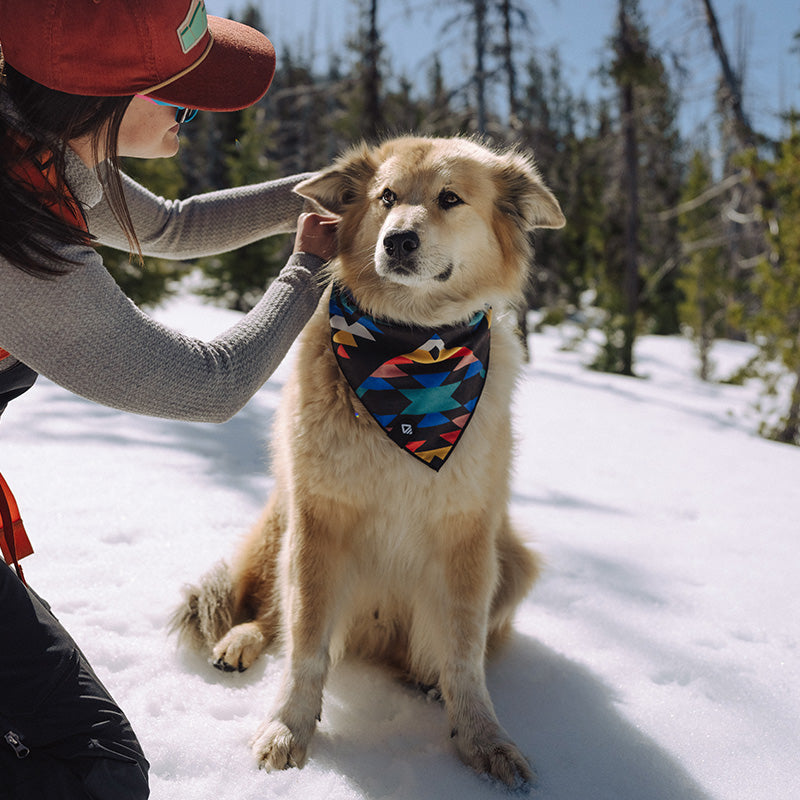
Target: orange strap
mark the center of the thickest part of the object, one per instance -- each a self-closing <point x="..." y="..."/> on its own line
<point x="37" y="172"/>
<point x="14" y="541"/>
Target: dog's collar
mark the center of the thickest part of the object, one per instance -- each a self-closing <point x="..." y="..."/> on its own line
<point x="421" y="385"/>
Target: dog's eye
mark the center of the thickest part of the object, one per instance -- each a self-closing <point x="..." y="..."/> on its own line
<point x="448" y="199"/>
<point x="388" y="198"/>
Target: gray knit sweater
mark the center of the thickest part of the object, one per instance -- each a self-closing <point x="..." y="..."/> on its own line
<point x="83" y="333"/>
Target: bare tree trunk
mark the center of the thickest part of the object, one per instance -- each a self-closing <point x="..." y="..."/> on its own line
<point x="742" y="129"/>
<point x="514" y="125"/>
<point x="749" y="239"/>
<point x="508" y="65"/>
<point x="480" y="9"/>
<point x="631" y="180"/>
<point x="790" y="433"/>
<point x="372" y="80"/>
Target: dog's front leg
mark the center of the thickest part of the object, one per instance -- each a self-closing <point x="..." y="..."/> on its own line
<point x="309" y="587"/>
<point x="470" y="575"/>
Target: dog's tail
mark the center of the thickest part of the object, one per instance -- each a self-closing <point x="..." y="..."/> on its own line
<point x="206" y="613"/>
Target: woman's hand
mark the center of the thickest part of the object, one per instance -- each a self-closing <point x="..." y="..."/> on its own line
<point x="316" y="234"/>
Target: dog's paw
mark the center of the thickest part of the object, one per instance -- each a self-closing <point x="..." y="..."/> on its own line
<point x="499" y="759"/>
<point x="238" y="648"/>
<point x="275" y="746"/>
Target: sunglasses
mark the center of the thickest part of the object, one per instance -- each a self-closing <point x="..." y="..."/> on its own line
<point x="182" y="114"/>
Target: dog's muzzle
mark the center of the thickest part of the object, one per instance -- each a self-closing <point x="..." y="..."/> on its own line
<point x="400" y="247"/>
<point x="399" y="257"/>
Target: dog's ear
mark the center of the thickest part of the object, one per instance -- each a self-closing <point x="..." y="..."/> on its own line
<point x="523" y="195"/>
<point x="341" y="184"/>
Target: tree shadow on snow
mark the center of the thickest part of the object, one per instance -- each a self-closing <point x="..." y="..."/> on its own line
<point x="614" y="385"/>
<point x="235" y="452"/>
<point x="561" y="716"/>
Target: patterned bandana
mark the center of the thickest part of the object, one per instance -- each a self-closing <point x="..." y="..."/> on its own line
<point x="420" y="384"/>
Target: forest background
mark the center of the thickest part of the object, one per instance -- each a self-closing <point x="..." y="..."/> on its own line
<point x="674" y="227"/>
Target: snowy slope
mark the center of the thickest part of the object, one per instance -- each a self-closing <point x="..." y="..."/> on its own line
<point x="656" y="659"/>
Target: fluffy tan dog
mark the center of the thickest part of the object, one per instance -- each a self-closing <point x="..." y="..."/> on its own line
<point x="388" y="534"/>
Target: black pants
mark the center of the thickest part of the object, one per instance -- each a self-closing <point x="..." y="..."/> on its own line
<point x="62" y="736"/>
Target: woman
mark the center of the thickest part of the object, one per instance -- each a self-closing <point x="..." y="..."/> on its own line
<point x="87" y="81"/>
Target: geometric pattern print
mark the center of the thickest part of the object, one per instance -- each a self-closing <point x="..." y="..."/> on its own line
<point x="421" y="385"/>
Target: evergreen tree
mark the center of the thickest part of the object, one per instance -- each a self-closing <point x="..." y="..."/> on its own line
<point x="371" y="75"/>
<point x="439" y="116"/>
<point x="305" y="110"/>
<point x="548" y="125"/>
<point x="479" y="11"/>
<point x="238" y="145"/>
<point x="775" y="326"/>
<point x="702" y="278"/>
<point x="239" y="277"/>
<point x="662" y="172"/>
<point x="640" y="152"/>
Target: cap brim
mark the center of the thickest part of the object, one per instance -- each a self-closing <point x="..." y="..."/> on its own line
<point x="236" y="72"/>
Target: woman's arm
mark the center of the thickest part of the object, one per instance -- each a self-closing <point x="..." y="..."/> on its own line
<point x="203" y="225"/>
<point x="83" y="333"/>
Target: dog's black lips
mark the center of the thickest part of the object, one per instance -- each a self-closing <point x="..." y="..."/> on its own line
<point x="405" y="267"/>
<point x="445" y="275"/>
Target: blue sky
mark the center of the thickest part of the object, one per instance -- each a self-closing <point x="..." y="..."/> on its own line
<point x="762" y="30"/>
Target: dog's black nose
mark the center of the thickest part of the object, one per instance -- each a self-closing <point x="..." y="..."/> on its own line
<point x="400" y="243"/>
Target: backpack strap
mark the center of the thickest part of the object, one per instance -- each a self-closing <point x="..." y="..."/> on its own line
<point x="14" y="541"/>
<point x="36" y="172"/>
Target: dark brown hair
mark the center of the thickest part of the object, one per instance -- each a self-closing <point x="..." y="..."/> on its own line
<point x="30" y="234"/>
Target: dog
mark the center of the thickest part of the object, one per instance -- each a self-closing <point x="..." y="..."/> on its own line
<point x="388" y="534"/>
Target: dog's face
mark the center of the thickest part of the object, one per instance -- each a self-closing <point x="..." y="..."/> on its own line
<point x="433" y="229"/>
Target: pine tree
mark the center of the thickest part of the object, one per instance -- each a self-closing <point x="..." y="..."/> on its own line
<point x="239" y="143"/>
<point x="775" y="326"/>
<point x="305" y="109"/>
<point x="702" y="278"/>
<point x="373" y="109"/>
<point x="239" y="277"/>
<point x="643" y="138"/>
<point x="548" y="126"/>
<point x="479" y="12"/>
<point x="661" y="175"/>
<point x="439" y="118"/>
<point x="744" y="224"/>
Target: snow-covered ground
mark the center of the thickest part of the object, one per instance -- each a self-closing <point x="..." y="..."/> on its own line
<point x="656" y="659"/>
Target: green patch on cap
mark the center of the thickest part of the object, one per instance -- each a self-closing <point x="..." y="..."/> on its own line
<point x="194" y="26"/>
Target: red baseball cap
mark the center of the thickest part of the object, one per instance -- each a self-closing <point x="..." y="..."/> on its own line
<point x="169" y="49"/>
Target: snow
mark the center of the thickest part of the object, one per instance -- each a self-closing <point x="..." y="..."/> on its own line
<point x="657" y="658"/>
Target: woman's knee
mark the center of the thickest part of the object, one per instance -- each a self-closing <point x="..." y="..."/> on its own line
<point x="40" y="774"/>
<point x="111" y="779"/>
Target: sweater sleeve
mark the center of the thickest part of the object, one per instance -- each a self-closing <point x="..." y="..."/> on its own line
<point x="82" y="332"/>
<point x="202" y="225"/>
